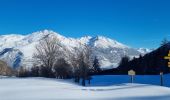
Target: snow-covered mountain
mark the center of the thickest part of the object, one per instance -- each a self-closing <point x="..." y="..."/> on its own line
<point x="144" y="50"/>
<point x="17" y="50"/>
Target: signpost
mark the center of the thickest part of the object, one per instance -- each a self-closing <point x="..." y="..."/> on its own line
<point x="132" y="73"/>
<point x="168" y="58"/>
<point x="161" y="73"/>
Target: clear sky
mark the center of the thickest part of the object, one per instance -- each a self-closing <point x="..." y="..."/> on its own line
<point x="137" y="23"/>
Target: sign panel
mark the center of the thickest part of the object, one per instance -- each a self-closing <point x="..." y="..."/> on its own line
<point x="168" y="58"/>
<point x="161" y="73"/>
<point x="131" y="72"/>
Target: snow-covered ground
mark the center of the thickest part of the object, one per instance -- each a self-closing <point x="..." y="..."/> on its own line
<point x="102" y="88"/>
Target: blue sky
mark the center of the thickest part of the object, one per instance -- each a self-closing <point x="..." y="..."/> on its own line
<point x="137" y="23"/>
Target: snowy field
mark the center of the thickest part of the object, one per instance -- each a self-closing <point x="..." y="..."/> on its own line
<point x="102" y="88"/>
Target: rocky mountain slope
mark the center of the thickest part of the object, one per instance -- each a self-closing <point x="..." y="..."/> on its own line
<point x="17" y="50"/>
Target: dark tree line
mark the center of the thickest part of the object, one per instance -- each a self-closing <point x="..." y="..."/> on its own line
<point x="151" y="63"/>
<point x="62" y="70"/>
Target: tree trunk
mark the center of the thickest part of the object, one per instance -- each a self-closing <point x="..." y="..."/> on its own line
<point x="89" y="81"/>
<point x="83" y="82"/>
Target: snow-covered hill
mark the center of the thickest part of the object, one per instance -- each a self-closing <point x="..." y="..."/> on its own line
<point x="17" y="50"/>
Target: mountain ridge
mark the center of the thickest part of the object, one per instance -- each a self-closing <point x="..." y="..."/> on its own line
<point x="109" y="51"/>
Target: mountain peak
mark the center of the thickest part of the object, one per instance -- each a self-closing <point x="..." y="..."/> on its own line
<point x="101" y="41"/>
<point x="144" y="50"/>
<point x="36" y="36"/>
<point x="44" y="33"/>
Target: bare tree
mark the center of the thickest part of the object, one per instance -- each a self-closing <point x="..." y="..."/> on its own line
<point x="84" y="64"/>
<point x="75" y="63"/>
<point x="164" y="41"/>
<point x="47" y="52"/>
<point x="62" y="69"/>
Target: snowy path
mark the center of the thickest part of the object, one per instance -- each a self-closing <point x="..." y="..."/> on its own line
<point x="52" y="89"/>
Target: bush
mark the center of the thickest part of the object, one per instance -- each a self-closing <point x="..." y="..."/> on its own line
<point x="5" y="70"/>
<point x="35" y="71"/>
<point x="46" y="72"/>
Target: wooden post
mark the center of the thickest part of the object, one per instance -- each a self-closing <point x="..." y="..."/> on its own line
<point x="132" y="78"/>
<point x="161" y="78"/>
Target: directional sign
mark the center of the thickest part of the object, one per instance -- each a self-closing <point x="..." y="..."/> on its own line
<point x="131" y="72"/>
<point x="168" y="58"/>
<point x="161" y="73"/>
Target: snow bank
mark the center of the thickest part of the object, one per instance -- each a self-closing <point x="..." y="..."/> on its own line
<point x="53" y="89"/>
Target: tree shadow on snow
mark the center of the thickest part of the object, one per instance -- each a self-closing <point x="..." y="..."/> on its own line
<point x="122" y="86"/>
<point x="162" y="97"/>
